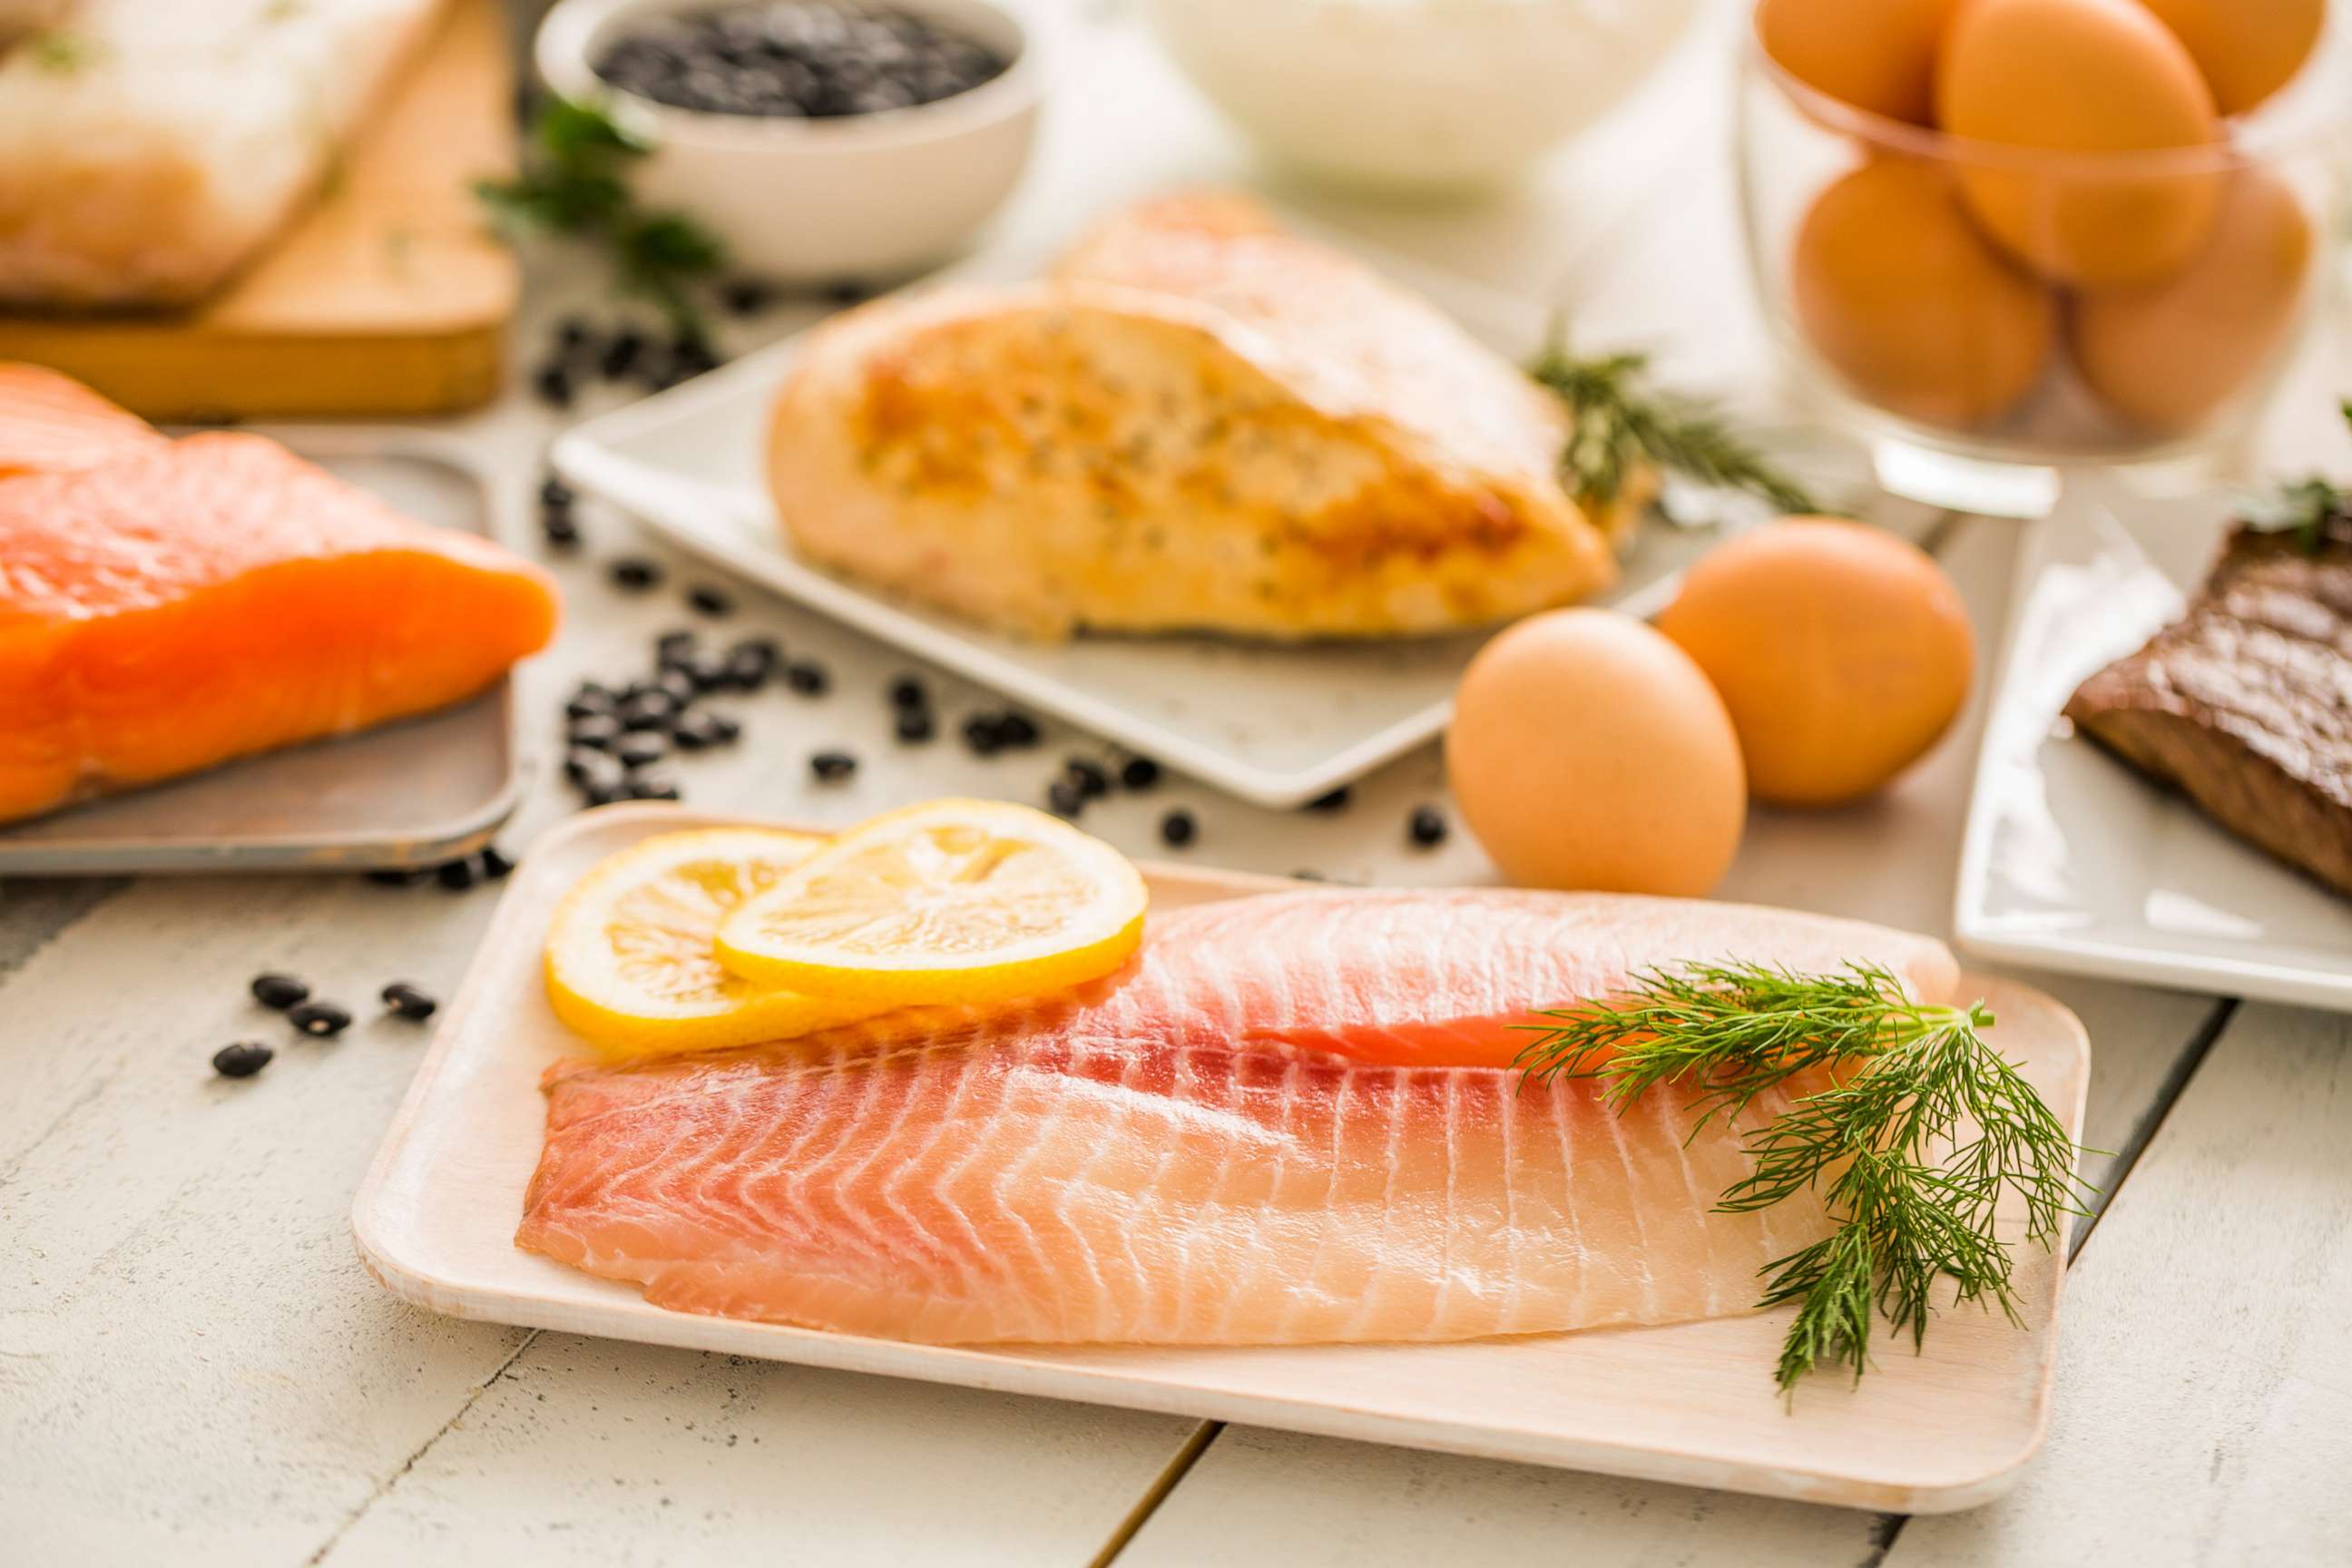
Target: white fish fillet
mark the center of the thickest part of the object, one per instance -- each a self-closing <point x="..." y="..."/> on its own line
<point x="147" y="148"/>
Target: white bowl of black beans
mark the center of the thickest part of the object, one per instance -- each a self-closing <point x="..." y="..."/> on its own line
<point x="824" y="142"/>
<point x="1417" y="95"/>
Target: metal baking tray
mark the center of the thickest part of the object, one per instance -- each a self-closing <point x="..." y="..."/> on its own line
<point x="407" y="794"/>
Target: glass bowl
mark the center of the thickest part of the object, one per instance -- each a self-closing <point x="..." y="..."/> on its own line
<point x="1984" y="316"/>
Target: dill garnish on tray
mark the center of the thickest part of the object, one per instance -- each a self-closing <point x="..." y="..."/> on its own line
<point x="1918" y="1130"/>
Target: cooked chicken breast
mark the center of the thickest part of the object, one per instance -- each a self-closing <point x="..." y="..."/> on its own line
<point x="1199" y="423"/>
<point x="148" y="149"/>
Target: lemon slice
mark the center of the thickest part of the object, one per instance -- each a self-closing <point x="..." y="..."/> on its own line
<point x="956" y="901"/>
<point x="630" y="964"/>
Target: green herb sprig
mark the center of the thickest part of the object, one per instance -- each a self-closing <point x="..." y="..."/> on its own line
<point x="1904" y="1080"/>
<point x="572" y="183"/>
<point x="2304" y="507"/>
<point x="1618" y="423"/>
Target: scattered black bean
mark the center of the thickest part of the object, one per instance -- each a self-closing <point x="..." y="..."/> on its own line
<point x="1017" y="730"/>
<point x="408" y="1002"/>
<point x="1178" y="828"/>
<point x="642" y="749"/>
<point x="558" y="528"/>
<point x="553" y="382"/>
<point x="808" y="678"/>
<point x="831" y="767"/>
<point x="846" y="291"/>
<point x="321" y="1020"/>
<point x="399" y="876"/>
<point x="708" y="671"/>
<point x="1335" y="801"/>
<point x="749" y="664"/>
<point x="455" y="875"/>
<point x="674" y="647"/>
<point x="710" y="601"/>
<point x="1426" y="826"/>
<point x="635" y="572"/>
<point x="589" y="702"/>
<point x="984" y="734"/>
<point x="572" y="334"/>
<point x="242" y="1059"/>
<point x="677" y="685"/>
<point x="642" y="788"/>
<point x="648" y="711"/>
<point x="553" y="491"/>
<point x="914" y="725"/>
<point x="280" y="991"/>
<point x="1066" y="797"/>
<point x="797" y="58"/>
<point x="604" y="795"/>
<point x="700" y="731"/>
<point x="907" y="691"/>
<point x="1087" y="775"/>
<point x="496" y="867"/>
<point x="1139" y="773"/>
<point x="597" y="732"/>
<point x="747" y="295"/>
<point x="621" y="353"/>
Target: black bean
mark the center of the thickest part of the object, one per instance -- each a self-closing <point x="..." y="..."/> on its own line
<point x="408" y="1002"/>
<point x="642" y="788"/>
<point x="242" y="1059"/>
<point x="1426" y="826"/>
<point x="573" y="334"/>
<point x="747" y="669"/>
<point x="1087" y="775"/>
<point x="914" y="725"/>
<point x="709" y="672"/>
<point x="642" y="749"/>
<point x="983" y="733"/>
<point x="321" y="1020"/>
<point x="1065" y="798"/>
<point x="831" y="767"/>
<point x="455" y="875"/>
<point x="621" y="353"/>
<point x="1017" y="730"/>
<point x="553" y="382"/>
<point x="710" y="601"/>
<point x="558" y="528"/>
<point x="554" y="492"/>
<point x="589" y="702"/>
<point x="1335" y="801"/>
<point x="648" y="711"/>
<point x="746" y="296"/>
<point x="846" y="291"/>
<point x="280" y="991"/>
<point x="678" y="685"/>
<point x="907" y="691"/>
<point x="699" y="731"/>
<point x="598" y="731"/>
<point x="399" y="876"/>
<point x="807" y="676"/>
<point x="1178" y="828"/>
<point x="598" y="794"/>
<point x="674" y="647"/>
<point x="496" y="867"/>
<point x="635" y="572"/>
<point x="1139" y="773"/>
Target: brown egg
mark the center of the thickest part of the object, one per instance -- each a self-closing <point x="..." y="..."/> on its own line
<point x="2166" y="356"/>
<point x="2081" y="76"/>
<point x="2247" y="49"/>
<point x="1587" y="751"/>
<point x="1842" y="652"/>
<point x="1897" y="291"/>
<point x="1878" y="55"/>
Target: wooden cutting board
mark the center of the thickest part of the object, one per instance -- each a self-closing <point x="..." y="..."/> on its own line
<point x="388" y="297"/>
<point x="1948" y="1428"/>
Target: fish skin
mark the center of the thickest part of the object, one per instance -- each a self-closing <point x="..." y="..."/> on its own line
<point x="212" y="597"/>
<point x="1249" y="1137"/>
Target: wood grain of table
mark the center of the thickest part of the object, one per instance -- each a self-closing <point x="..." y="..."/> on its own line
<point x="195" y="1369"/>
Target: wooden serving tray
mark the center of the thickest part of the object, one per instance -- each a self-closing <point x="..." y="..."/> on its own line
<point x="388" y="297"/>
<point x="1694" y="1403"/>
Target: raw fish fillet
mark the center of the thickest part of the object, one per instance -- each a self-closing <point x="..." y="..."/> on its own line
<point x="1286" y="1121"/>
<point x="207" y="598"/>
<point x="148" y="148"/>
<point x="52" y="423"/>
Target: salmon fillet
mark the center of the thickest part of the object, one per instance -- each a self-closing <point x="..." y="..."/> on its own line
<point x="51" y="423"/>
<point x="1287" y="1122"/>
<point x="209" y="598"/>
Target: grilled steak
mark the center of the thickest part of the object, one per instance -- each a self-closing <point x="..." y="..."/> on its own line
<point x="2245" y="702"/>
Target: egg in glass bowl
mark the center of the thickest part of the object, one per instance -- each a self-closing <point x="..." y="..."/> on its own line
<point x="1417" y="95"/>
<point x="2002" y="237"/>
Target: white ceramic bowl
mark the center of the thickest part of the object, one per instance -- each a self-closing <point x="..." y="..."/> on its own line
<point x="1417" y="94"/>
<point x="869" y="197"/>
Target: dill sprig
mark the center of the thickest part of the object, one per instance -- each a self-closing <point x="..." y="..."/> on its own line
<point x="1617" y="423"/>
<point x="2304" y="507"/>
<point x="1920" y="1131"/>
<point x="572" y="183"/>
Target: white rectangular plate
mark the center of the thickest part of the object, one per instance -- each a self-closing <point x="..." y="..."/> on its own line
<point x="2074" y="861"/>
<point x="403" y="795"/>
<point x="1694" y="1403"/>
<point x="1272" y="724"/>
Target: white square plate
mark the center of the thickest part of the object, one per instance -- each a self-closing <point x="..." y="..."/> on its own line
<point x="1272" y="724"/>
<point x="2074" y="861"/>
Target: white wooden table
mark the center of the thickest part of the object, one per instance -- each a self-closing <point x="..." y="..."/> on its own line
<point x="194" y="1368"/>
